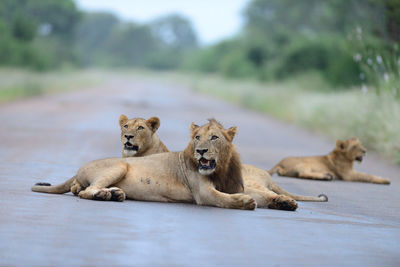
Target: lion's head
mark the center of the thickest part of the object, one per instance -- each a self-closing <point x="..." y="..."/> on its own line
<point x="351" y="149"/>
<point x="136" y="134"/>
<point x="212" y="153"/>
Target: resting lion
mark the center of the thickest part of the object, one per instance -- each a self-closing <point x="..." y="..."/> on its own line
<point x="255" y="179"/>
<point x="207" y="172"/>
<point x="138" y="137"/>
<point x="336" y="165"/>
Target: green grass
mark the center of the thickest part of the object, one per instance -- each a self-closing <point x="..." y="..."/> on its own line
<point x="17" y="83"/>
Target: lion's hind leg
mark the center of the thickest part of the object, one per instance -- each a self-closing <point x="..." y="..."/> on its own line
<point x="98" y="189"/>
<point x="76" y="187"/>
<point x="307" y="172"/>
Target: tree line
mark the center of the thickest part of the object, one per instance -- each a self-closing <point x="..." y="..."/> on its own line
<point x="48" y="34"/>
<point x="347" y="42"/>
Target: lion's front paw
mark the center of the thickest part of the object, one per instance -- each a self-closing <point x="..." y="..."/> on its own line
<point x="245" y="202"/>
<point x="117" y="194"/>
<point x="282" y="202"/>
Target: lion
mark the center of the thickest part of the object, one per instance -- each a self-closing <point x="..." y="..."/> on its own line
<point x="206" y="172"/>
<point x="336" y="165"/>
<point x="138" y="137"/>
<point x="255" y="179"/>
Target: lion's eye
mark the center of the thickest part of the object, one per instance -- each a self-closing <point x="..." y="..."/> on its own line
<point x="126" y="126"/>
<point x="214" y="137"/>
<point x="197" y="137"/>
<point x="140" y="128"/>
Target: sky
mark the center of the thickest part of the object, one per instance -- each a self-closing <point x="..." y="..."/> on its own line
<point x="213" y="20"/>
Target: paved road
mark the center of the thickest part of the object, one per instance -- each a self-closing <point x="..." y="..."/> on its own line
<point x="48" y="138"/>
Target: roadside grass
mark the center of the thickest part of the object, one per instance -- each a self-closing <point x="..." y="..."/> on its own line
<point x="18" y="83"/>
<point x="309" y="102"/>
<point x="306" y="100"/>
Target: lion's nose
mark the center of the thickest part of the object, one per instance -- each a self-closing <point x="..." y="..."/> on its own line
<point x="201" y="151"/>
<point x="128" y="137"/>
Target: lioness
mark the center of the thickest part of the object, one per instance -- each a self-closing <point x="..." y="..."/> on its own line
<point x="207" y="172"/>
<point x="336" y="165"/>
<point x="138" y="137"/>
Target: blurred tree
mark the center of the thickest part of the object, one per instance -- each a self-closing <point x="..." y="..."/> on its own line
<point x="175" y="36"/>
<point x="393" y="19"/>
<point x="23" y="28"/>
<point x="130" y="45"/>
<point x="296" y="36"/>
<point x="31" y="27"/>
<point x="93" y="33"/>
<point x="174" y="31"/>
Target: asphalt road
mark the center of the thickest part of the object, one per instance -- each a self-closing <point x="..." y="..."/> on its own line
<point x="49" y="138"/>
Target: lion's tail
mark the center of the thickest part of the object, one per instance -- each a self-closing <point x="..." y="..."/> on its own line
<point x="277" y="189"/>
<point x="54" y="189"/>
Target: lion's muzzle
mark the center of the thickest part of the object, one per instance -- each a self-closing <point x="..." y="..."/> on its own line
<point x="207" y="165"/>
<point x="129" y="146"/>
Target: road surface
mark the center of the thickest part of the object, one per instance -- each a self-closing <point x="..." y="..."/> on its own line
<point x="50" y="137"/>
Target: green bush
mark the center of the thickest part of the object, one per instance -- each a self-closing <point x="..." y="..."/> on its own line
<point x="324" y="54"/>
<point x="236" y="65"/>
<point x="342" y="70"/>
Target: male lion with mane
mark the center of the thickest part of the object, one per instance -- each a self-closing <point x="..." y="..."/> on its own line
<point x="336" y="165"/>
<point x="257" y="182"/>
<point x="207" y="172"/>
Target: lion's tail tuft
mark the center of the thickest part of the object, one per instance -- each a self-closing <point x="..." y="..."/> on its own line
<point x="53" y="189"/>
<point x="277" y="189"/>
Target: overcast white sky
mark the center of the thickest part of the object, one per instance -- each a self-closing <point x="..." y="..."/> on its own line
<point x="213" y="20"/>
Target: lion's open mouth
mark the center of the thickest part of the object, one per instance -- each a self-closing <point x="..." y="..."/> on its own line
<point x="129" y="146"/>
<point x="205" y="164"/>
<point x="359" y="159"/>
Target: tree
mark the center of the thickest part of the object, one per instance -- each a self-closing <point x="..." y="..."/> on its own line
<point x="130" y="44"/>
<point x="92" y="35"/>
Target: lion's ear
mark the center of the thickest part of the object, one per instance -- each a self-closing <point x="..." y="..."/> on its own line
<point x="193" y="127"/>
<point x="340" y="144"/>
<point x="122" y="120"/>
<point x="231" y="132"/>
<point x="153" y="123"/>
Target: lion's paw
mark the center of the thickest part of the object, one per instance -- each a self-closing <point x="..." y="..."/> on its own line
<point x="117" y="194"/>
<point x="245" y="202"/>
<point x="102" y="194"/>
<point x="282" y="202"/>
<point x="76" y="187"/>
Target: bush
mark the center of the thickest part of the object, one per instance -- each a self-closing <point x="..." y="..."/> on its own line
<point x="327" y="55"/>
<point x="236" y="65"/>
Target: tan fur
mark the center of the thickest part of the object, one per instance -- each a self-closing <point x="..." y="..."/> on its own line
<point x="258" y="184"/>
<point x="140" y="133"/>
<point x="336" y="165"/>
<point x="255" y="178"/>
<point x="167" y="177"/>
